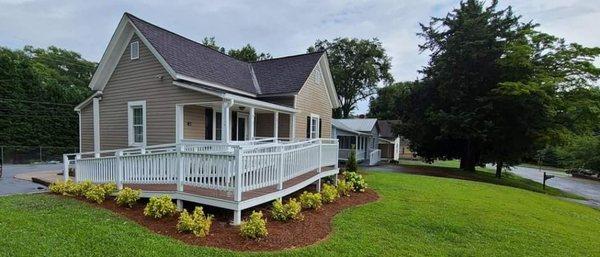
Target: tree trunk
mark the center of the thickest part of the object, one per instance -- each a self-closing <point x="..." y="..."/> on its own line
<point x="467" y="163"/>
<point x="499" y="166"/>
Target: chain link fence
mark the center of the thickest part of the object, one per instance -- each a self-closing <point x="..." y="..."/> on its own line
<point x="33" y="154"/>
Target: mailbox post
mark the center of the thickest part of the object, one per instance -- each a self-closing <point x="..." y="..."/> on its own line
<point x="546" y="177"/>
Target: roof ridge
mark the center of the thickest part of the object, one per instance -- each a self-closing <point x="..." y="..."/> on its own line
<point x="254" y="79"/>
<point x="193" y="41"/>
<point x="288" y="56"/>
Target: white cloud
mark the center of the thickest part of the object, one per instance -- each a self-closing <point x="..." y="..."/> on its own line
<point x="278" y="27"/>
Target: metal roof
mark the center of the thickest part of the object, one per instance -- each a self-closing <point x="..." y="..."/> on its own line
<point x="361" y="125"/>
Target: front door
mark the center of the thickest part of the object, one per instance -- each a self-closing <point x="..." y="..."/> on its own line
<point x="241" y="131"/>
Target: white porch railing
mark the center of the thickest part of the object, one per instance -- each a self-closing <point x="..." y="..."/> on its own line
<point x="345" y="153"/>
<point x="207" y="164"/>
<point x="374" y="157"/>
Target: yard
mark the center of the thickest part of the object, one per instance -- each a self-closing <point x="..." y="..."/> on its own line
<point x="416" y="215"/>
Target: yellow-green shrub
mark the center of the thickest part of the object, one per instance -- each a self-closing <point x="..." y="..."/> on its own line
<point x="128" y="196"/>
<point x="62" y="187"/>
<point x="197" y="223"/>
<point x="344" y="188"/>
<point x="109" y="188"/>
<point x="255" y="227"/>
<point x="79" y="189"/>
<point x="160" y="206"/>
<point x="329" y="193"/>
<point x="310" y="200"/>
<point x="285" y="212"/>
<point x="95" y="193"/>
<point x="358" y="182"/>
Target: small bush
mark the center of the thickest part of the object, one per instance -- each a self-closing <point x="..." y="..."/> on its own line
<point x="197" y="223"/>
<point x="128" y="196"/>
<point x="357" y="181"/>
<point x="160" y="206"/>
<point x="109" y="188"/>
<point x="80" y="189"/>
<point x="61" y="187"/>
<point x="95" y="193"/>
<point x="329" y="193"/>
<point x="285" y="212"/>
<point x="344" y="188"/>
<point x="351" y="164"/>
<point x="310" y="200"/>
<point x="255" y="227"/>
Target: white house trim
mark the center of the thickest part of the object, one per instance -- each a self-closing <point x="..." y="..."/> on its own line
<point x="87" y="101"/>
<point x="326" y="74"/>
<point x="96" y="112"/>
<point x="314" y="116"/>
<point x="211" y="84"/>
<point x="130" y="130"/>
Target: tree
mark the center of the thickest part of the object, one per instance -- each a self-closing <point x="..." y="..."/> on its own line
<point x="489" y="90"/>
<point x="357" y="67"/>
<point x="385" y="104"/>
<point x="247" y="53"/>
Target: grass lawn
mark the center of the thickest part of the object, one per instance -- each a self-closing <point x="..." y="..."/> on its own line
<point x="489" y="176"/>
<point x="416" y="216"/>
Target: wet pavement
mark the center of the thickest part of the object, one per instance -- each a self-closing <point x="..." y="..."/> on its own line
<point x="11" y="185"/>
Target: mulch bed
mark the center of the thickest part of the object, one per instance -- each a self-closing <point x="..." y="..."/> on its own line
<point x="315" y="227"/>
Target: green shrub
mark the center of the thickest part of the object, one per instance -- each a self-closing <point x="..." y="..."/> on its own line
<point x="351" y="165"/>
<point x="197" y="223"/>
<point x="310" y="200"/>
<point x="255" y="227"/>
<point x="61" y="187"/>
<point x="109" y="188"/>
<point x="285" y="212"/>
<point x="344" y="188"/>
<point x="357" y="181"/>
<point x="329" y="193"/>
<point x="160" y="206"/>
<point x="95" y="193"/>
<point x="79" y="189"/>
<point x="128" y="196"/>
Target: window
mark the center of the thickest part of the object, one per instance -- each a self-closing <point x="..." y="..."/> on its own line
<point x="218" y="130"/>
<point x="137" y="123"/>
<point x="346" y="142"/>
<point x="314" y="126"/>
<point x="318" y="75"/>
<point x="134" y="50"/>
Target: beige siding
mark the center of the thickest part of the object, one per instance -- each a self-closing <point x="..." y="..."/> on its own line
<point x="193" y="117"/>
<point x="87" y="129"/>
<point x="313" y="98"/>
<point x="135" y="80"/>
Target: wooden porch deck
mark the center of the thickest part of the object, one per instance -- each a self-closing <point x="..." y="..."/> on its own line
<point x="227" y="195"/>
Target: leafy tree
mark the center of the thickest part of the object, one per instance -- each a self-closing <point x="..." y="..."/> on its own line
<point x="489" y="91"/>
<point x="357" y="67"/>
<point x="248" y="54"/>
<point x="385" y="104"/>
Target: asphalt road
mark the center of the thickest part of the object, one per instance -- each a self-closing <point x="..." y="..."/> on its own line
<point x="10" y="185"/>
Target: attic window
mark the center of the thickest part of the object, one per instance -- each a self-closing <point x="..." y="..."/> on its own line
<point x="318" y="76"/>
<point x="134" y="50"/>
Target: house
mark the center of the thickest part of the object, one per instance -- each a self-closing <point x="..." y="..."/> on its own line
<point x="170" y="115"/>
<point x="391" y="144"/>
<point x="362" y="135"/>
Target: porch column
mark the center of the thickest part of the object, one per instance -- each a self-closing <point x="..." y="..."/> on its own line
<point x="179" y="123"/>
<point x="292" y="126"/>
<point x="276" y="125"/>
<point x="96" y="110"/>
<point x="251" y="123"/>
<point x="225" y="121"/>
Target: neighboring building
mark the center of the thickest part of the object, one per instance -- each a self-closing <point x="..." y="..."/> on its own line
<point x="362" y="135"/>
<point x="153" y="87"/>
<point x="392" y="145"/>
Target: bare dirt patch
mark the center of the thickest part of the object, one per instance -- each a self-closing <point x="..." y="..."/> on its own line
<point x="316" y="226"/>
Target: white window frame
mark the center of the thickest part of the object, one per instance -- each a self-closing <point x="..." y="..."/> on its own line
<point x="314" y="118"/>
<point x="134" y="55"/>
<point x="130" y="130"/>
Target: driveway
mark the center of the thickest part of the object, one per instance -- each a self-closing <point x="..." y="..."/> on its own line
<point x="587" y="188"/>
<point x="11" y="185"/>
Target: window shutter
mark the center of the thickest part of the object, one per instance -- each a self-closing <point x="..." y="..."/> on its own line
<point x="308" y="127"/>
<point x="320" y="128"/>
<point x="208" y="118"/>
<point x="233" y="126"/>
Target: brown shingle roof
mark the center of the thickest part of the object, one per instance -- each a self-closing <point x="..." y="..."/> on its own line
<point x="284" y="75"/>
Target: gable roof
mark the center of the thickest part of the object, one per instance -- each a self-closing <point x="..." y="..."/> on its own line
<point x="187" y="60"/>
<point x="362" y="125"/>
<point x="386" y="128"/>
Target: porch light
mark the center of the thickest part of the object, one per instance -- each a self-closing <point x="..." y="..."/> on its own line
<point x="242" y="108"/>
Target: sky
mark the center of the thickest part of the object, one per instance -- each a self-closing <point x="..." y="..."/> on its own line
<point x="278" y="27"/>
